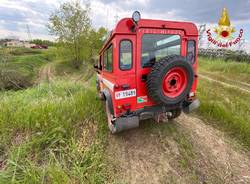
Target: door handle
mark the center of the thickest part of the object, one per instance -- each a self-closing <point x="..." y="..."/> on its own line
<point x="144" y="77"/>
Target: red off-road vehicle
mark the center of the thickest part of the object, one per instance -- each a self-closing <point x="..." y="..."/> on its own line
<point x="148" y="69"/>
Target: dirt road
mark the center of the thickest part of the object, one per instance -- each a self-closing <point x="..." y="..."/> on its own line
<point x="184" y="151"/>
<point x="46" y="73"/>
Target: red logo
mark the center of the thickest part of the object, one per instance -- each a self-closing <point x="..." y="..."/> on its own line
<point x="223" y="34"/>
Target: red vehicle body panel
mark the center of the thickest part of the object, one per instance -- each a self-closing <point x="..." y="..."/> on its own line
<point x="113" y="81"/>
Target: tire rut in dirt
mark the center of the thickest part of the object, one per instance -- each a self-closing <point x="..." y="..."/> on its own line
<point x="146" y="155"/>
<point x="182" y="151"/>
<point x="217" y="155"/>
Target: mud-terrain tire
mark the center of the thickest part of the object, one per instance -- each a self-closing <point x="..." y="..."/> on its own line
<point x="110" y="117"/>
<point x="170" y="80"/>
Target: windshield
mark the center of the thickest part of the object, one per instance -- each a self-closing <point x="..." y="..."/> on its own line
<point x="157" y="46"/>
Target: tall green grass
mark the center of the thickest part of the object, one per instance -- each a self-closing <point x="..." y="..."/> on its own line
<point x="52" y="133"/>
<point x="227" y="108"/>
<point x="223" y="66"/>
<point x="233" y="70"/>
<point x="21" y="68"/>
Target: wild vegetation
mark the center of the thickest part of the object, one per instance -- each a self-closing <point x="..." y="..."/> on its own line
<point x="43" y="42"/>
<point x="239" y="72"/>
<point x="226" y="106"/>
<point x="225" y="54"/>
<point x="52" y="133"/>
<point x="19" y="67"/>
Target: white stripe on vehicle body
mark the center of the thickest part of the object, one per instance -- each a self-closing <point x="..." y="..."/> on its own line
<point x="109" y="84"/>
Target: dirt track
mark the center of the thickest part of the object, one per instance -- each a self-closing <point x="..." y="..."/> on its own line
<point x="184" y="151"/>
<point x="46" y="73"/>
<point x="240" y="86"/>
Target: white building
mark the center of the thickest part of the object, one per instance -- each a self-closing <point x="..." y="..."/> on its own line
<point x="19" y="43"/>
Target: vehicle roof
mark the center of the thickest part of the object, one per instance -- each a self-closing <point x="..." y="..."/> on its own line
<point x="122" y="27"/>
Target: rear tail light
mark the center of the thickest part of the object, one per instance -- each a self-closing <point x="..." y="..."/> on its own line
<point x="116" y="86"/>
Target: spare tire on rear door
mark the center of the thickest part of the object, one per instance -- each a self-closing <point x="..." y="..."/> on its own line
<point x="170" y="80"/>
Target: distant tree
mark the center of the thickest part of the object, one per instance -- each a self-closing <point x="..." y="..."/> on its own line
<point x="42" y="42"/>
<point x="71" y="24"/>
<point x="96" y="41"/>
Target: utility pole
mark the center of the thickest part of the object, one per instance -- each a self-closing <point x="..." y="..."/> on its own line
<point x="28" y="32"/>
<point x="107" y="23"/>
<point x="241" y="44"/>
<point x="202" y="29"/>
<point x="116" y="18"/>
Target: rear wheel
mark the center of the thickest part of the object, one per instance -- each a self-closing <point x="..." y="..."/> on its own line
<point x="98" y="89"/>
<point x="110" y="118"/>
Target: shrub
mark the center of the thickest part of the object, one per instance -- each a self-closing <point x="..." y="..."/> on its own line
<point x="13" y="80"/>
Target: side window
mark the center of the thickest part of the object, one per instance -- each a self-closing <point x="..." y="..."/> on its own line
<point x="108" y="59"/>
<point x="191" y="51"/>
<point x="126" y="57"/>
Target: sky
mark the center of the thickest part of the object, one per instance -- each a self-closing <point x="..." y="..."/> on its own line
<point x="15" y="15"/>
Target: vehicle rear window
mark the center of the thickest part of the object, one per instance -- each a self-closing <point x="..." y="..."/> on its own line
<point x="125" y="55"/>
<point x="157" y="46"/>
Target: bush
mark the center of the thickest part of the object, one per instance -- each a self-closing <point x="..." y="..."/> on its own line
<point x="24" y="51"/>
<point x="13" y="80"/>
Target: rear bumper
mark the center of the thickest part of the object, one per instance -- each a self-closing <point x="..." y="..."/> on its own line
<point x="131" y="121"/>
<point x="192" y="106"/>
<point x="151" y="111"/>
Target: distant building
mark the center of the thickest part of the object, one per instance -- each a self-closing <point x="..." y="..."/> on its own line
<point x="3" y="42"/>
<point x="15" y="43"/>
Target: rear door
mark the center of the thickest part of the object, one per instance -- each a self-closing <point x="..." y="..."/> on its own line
<point x="126" y="49"/>
<point x="152" y="45"/>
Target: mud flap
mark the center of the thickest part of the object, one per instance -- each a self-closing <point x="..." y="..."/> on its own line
<point x="124" y="123"/>
<point x="191" y="107"/>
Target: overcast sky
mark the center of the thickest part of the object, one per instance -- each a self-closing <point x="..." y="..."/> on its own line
<point x="16" y="14"/>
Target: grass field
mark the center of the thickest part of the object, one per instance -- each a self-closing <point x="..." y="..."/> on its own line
<point x="52" y="133"/>
<point x="19" y="67"/>
<point x="55" y="132"/>
<point x="232" y="70"/>
<point x="226" y="107"/>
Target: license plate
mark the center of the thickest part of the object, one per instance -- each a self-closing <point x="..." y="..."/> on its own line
<point x="125" y="94"/>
